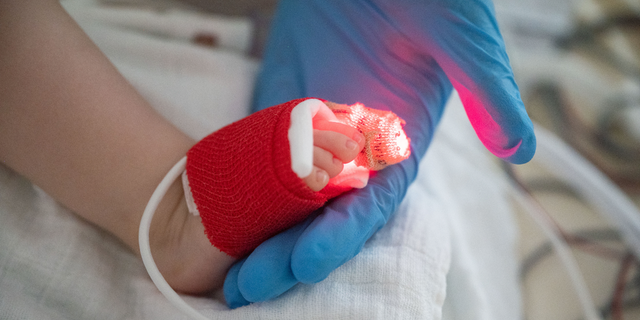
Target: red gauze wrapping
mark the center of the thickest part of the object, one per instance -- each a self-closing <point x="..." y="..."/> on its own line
<point x="242" y="183"/>
<point x="241" y="180"/>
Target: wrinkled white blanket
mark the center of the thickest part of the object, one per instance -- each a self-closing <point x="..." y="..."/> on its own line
<point x="54" y="265"/>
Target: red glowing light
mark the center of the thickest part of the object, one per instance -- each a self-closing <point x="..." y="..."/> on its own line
<point x="386" y="141"/>
<point x="403" y="143"/>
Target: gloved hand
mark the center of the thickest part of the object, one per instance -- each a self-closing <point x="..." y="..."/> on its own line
<point x="403" y="56"/>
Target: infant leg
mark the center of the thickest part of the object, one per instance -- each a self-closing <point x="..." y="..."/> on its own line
<point x="242" y="183"/>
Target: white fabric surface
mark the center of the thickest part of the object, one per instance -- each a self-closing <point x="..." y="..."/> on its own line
<point x="483" y="280"/>
<point x="54" y="265"/>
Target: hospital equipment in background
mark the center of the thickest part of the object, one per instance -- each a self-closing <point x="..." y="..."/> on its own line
<point x="578" y="67"/>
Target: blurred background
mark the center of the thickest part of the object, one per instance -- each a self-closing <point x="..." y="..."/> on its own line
<point x="578" y="67"/>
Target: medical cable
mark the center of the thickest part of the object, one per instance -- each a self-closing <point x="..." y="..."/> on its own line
<point x="586" y="34"/>
<point x="591" y="236"/>
<point x="589" y="37"/>
<point x="568" y="123"/>
<point x="551" y="231"/>
<point x="618" y="301"/>
<point x="591" y="184"/>
<point x="587" y="241"/>
<point x="616" y="304"/>
<point x="145" y="248"/>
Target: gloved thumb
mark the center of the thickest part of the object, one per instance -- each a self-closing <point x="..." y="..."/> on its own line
<point x="468" y="46"/>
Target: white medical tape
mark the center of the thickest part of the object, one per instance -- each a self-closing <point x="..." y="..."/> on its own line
<point x="301" y="134"/>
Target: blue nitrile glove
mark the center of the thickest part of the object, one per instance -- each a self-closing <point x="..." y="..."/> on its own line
<point x="399" y="55"/>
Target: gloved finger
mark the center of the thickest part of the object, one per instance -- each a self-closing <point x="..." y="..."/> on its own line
<point x="339" y="233"/>
<point x="474" y="57"/>
<point x="266" y="272"/>
<point x="465" y="41"/>
<point x="232" y="295"/>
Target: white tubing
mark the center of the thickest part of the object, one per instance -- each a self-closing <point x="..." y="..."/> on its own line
<point x="561" y="247"/>
<point x="591" y="184"/>
<point x="595" y="188"/>
<point x="145" y="249"/>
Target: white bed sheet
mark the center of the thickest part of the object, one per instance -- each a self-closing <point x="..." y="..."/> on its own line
<point x="455" y="217"/>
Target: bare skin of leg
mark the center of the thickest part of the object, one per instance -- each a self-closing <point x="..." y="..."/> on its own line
<point x="71" y="124"/>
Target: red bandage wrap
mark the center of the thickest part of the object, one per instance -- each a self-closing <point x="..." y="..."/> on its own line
<point x="242" y="183"/>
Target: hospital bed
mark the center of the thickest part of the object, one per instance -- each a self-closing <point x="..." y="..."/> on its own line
<point x="450" y="252"/>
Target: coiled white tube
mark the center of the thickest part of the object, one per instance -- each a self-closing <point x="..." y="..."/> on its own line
<point x="145" y="249"/>
<point x="562" y="249"/>
<point x="591" y="184"/>
<point x="594" y="187"/>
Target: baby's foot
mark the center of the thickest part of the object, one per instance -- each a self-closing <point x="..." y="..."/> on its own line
<point x="267" y="172"/>
<point x="243" y="187"/>
<point x="318" y="138"/>
<point x="241" y="179"/>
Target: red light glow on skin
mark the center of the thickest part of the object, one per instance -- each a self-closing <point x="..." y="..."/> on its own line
<point x="486" y="124"/>
<point x="386" y="142"/>
<point x="403" y="143"/>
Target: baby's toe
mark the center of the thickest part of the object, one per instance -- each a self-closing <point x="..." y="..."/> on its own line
<point x="317" y="180"/>
<point x="343" y="147"/>
<point x="325" y="160"/>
